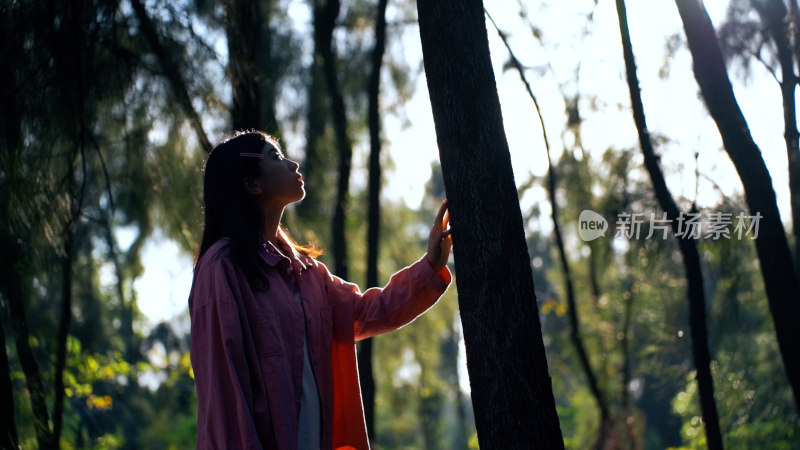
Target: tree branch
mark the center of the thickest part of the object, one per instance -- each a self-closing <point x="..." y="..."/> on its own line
<point x="170" y="70"/>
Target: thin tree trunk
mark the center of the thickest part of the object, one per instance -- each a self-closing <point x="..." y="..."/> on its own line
<point x="449" y="374"/>
<point x="12" y="287"/>
<point x="373" y="232"/>
<point x="315" y="165"/>
<point x="777" y="19"/>
<point x="11" y="142"/>
<point x="67" y="258"/>
<point x="171" y="72"/>
<point x="688" y="246"/>
<point x="794" y="21"/>
<point x="8" y="429"/>
<point x="794" y="31"/>
<point x="511" y="390"/>
<point x="575" y="330"/>
<point x="128" y="306"/>
<point x="63" y="332"/>
<point x="114" y="257"/>
<point x="593" y="280"/>
<point x="75" y="34"/>
<point x="460" y="441"/>
<point x="429" y="409"/>
<point x="780" y="281"/>
<point x="325" y="15"/>
<point x="626" y="362"/>
<point x="267" y="71"/>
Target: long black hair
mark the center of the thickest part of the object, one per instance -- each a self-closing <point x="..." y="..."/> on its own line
<point x="228" y="209"/>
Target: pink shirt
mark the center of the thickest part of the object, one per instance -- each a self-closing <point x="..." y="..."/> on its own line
<point x="247" y="346"/>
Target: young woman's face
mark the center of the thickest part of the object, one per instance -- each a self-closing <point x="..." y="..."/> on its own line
<point x="281" y="183"/>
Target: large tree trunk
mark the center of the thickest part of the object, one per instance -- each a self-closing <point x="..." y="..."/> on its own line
<point x="511" y="389"/>
<point x="777" y="268"/>
<point x="374" y="222"/>
<point x="325" y="13"/>
<point x="688" y="246"/>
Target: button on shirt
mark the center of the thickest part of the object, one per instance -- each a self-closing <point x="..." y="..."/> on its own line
<point x="252" y="351"/>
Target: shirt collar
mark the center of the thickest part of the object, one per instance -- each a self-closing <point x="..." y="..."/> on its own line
<point x="272" y="256"/>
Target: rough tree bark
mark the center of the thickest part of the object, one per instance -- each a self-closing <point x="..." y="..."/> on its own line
<point x="325" y="14"/>
<point x="777" y="269"/>
<point x="688" y="246"/>
<point x="374" y="216"/>
<point x="511" y="391"/>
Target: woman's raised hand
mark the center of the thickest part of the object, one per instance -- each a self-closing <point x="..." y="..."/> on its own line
<point x="440" y="242"/>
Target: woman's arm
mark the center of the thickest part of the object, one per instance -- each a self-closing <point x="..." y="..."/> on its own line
<point x="409" y="293"/>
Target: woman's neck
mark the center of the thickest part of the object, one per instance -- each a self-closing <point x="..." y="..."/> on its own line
<point x="272" y="223"/>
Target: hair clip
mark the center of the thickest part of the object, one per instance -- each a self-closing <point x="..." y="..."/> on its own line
<point x="252" y="155"/>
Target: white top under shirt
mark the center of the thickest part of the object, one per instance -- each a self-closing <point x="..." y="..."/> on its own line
<point x="309" y="430"/>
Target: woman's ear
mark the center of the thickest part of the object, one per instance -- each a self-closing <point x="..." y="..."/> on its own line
<point x="252" y="185"/>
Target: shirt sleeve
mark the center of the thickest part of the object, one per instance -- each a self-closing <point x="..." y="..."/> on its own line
<point x="409" y="293"/>
<point x="221" y="370"/>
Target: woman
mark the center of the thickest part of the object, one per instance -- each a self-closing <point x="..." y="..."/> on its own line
<point x="273" y="331"/>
